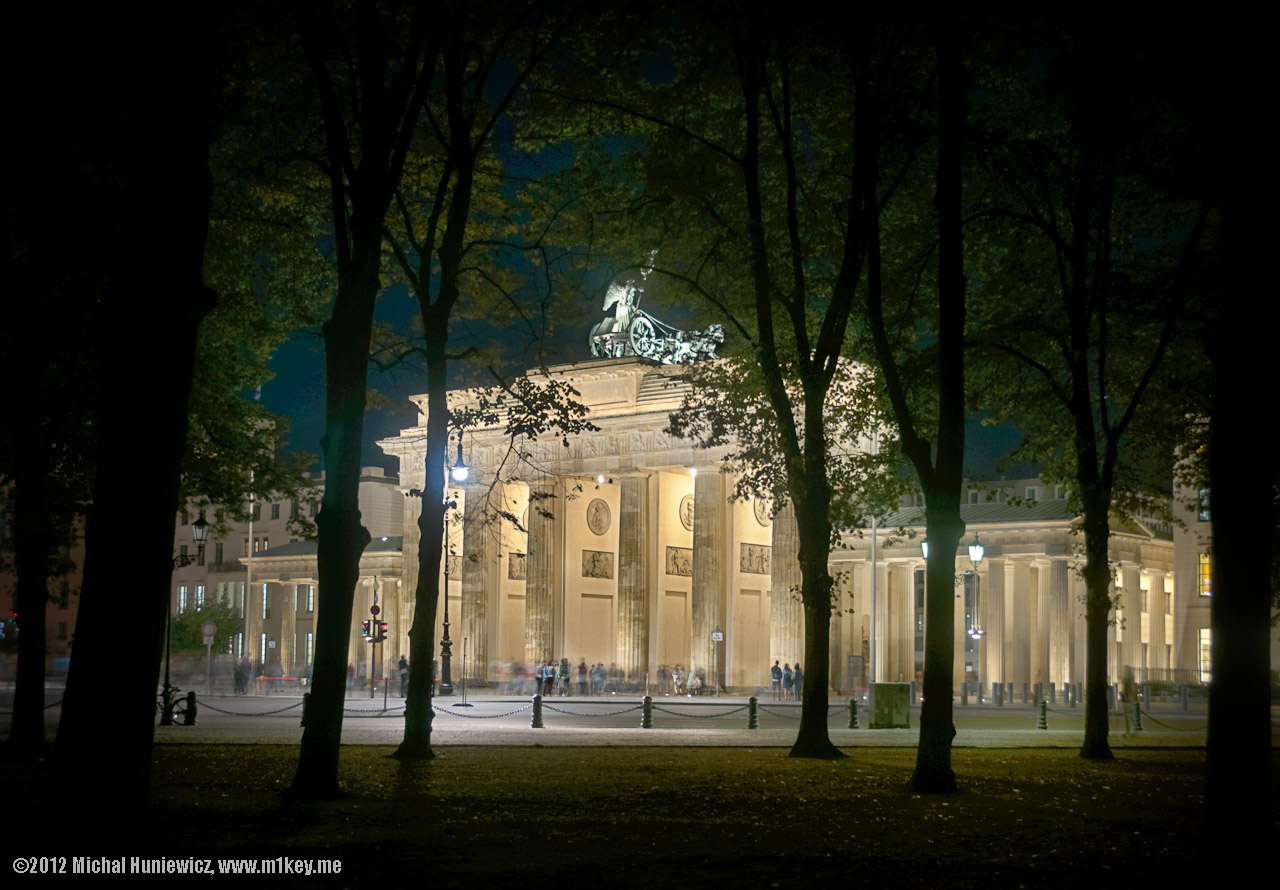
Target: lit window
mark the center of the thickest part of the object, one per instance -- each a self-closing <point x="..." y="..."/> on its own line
<point x="1206" y="576"/>
<point x="1206" y="654"/>
<point x="266" y="602"/>
<point x="182" y="599"/>
<point x="310" y="648"/>
<point x="199" y="596"/>
<point x="311" y="601"/>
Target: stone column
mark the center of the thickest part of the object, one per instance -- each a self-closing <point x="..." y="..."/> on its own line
<point x="1059" y="623"/>
<point x="959" y="634"/>
<point x="1040" y="628"/>
<point x="991" y="604"/>
<point x="709" y="503"/>
<point x="409" y="574"/>
<point x="786" y="613"/>
<point x="1020" y="624"/>
<point x="633" y="575"/>
<point x="1155" y="609"/>
<point x="479" y="580"/>
<point x="880" y="672"/>
<point x="288" y="596"/>
<point x="1131" y="600"/>
<point x="902" y="622"/>
<point x="253" y="621"/>
<point x="542" y="572"/>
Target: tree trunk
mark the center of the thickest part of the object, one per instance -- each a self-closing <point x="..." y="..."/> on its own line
<point x="1239" y="801"/>
<point x="109" y="710"/>
<point x="342" y="536"/>
<point x="416" y="744"/>
<point x="944" y="529"/>
<point x="1097" y="616"/>
<point x="942" y="480"/>
<point x="33" y="547"/>
<point x="813" y="739"/>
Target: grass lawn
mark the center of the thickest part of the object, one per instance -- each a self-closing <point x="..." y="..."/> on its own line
<point x="625" y="817"/>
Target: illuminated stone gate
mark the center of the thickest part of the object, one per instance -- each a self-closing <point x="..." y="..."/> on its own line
<point x="631" y="553"/>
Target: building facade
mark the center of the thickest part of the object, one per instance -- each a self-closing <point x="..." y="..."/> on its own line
<point x="269" y="579"/>
<point x="630" y="551"/>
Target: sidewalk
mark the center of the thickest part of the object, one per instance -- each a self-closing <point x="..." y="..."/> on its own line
<point x="703" y="722"/>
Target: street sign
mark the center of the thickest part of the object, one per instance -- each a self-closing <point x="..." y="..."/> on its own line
<point x="208" y="629"/>
<point x="717" y="637"/>
<point x="374" y="610"/>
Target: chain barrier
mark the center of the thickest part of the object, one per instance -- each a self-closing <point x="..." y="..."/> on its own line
<point x="547" y="707"/>
<point x="205" y="706"/>
<point x="699" y="716"/>
<point x="479" y="716"/>
<point x="830" y="708"/>
<point x="1113" y="716"/>
<point x="1147" y="715"/>
<point x="381" y="712"/>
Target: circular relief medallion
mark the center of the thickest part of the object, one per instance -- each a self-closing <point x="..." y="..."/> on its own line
<point x="762" y="509"/>
<point x="686" y="512"/>
<point x="598" y="516"/>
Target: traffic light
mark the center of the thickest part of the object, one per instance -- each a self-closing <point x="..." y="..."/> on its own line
<point x="382" y="631"/>
<point x="364" y="628"/>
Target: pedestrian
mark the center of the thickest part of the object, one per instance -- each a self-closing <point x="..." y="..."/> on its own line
<point x="799" y="681"/>
<point x="351" y="675"/>
<point x="582" y="677"/>
<point x="404" y="677"/>
<point x="788" y="681"/>
<point x="775" y="680"/>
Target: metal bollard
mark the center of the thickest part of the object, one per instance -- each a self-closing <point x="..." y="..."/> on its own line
<point x="1042" y="722"/>
<point x="1137" y="716"/>
<point x="853" y="713"/>
<point x="753" y="719"/>
<point x="189" y="717"/>
<point x="964" y="692"/>
<point x="536" y="723"/>
<point x="646" y="715"/>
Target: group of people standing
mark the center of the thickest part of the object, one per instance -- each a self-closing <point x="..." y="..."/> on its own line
<point x="785" y="683"/>
<point x="552" y="678"/>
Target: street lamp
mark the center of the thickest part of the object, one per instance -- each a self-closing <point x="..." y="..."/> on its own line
<point x="459" y="471"/>
<point x="446" y="644"/>
<point x="200" y="528"/>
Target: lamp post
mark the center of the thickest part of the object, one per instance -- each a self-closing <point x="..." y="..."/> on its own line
<point x="459" y="472"/>
<point x="200" y="528"/>
<point x="446" y="644"/>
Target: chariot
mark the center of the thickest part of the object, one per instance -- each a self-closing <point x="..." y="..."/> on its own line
<point x="632" y="331"/>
